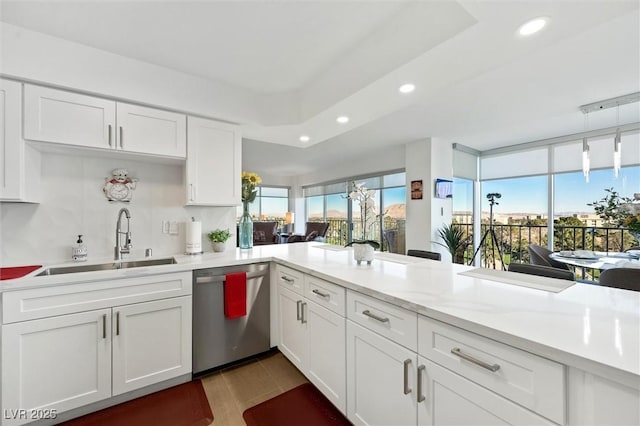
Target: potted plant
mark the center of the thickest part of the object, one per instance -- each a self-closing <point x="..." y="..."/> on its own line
<point x="218" y="238"/>
<point x="363" y="248"/>
<point x="454" y="241"/>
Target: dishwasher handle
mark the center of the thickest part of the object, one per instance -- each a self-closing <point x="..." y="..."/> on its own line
<point x="206" y="279"/>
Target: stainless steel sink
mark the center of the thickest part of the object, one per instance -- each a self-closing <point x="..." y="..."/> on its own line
<point x="107" y="266"/>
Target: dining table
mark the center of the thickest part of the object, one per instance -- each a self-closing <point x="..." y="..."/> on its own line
<point x="598" y="259"/>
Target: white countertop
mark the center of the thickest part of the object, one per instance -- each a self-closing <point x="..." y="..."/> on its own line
<point x="590" y="327"/>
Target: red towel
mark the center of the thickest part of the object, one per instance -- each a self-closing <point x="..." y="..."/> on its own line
<point x="235" y="295"/>
<point x="17" y="271"/>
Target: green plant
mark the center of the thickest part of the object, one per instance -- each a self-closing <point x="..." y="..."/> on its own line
<point x="617" y="211"/>
<point x="219" y="235"/>
<point x="454" y="241"/>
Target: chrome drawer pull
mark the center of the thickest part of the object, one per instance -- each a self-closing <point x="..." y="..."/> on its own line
<point x="104" y="326"/>
<point x="110" y="144"/>
<point x="117" y="323"/>
<point x="490" y="367"/>
<point x="374" y="316"/>
<point x="121" y="138"/>
<point x="286" y="279"/>
<point x="302" y="318"/>
<point x="407" y="389"/>
<point x="421" y="397"/>
<point x="298" y="316"/>
<point x="321" y="294"/>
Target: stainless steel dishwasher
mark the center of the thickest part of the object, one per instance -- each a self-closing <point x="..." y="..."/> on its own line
<point x="218" y="340"/>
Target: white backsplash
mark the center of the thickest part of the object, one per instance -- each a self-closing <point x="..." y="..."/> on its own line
<point x="73" y="203"/>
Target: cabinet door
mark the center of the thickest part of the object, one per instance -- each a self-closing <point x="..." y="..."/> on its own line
<point x="57" y="363"/>
<point x="151" y="131"/>
<point x="57" y="116"/>
<point x="151" y="343"/>
<point x="11" y="144"/>
<point x="326" y="362"/>
<point x="293" y="332"/>
<point x="445" y="398"/>
<point x="214" y="168"/>
<point x="381" y="378"/>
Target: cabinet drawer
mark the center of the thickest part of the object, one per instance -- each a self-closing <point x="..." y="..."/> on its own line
<point x="531" y="381"/>
<point x="326" y="294"/>
<point x="290" y="278"/>
<point x="390" y="321"/>
<point x="36" y="303"/>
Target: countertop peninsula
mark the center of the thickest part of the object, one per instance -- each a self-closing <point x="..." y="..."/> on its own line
<point x="593" y="328"/>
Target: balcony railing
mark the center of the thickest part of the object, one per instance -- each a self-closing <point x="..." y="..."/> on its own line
<point x="515" y="239"/>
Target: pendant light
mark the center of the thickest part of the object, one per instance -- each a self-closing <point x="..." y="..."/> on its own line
<point x="617" y="146"/>
<point x="586" y="161"/>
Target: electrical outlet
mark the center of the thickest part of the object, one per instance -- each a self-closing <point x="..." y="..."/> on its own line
<point x="173" y="227"/>
<point x="165" y="226"/>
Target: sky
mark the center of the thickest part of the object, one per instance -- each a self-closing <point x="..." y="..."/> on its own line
<point x="572" y="192"/>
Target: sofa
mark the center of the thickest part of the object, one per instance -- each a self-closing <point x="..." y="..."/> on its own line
<point x="315" y="231"/>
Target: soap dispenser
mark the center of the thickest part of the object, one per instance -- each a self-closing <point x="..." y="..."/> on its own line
<point x="79" y="252"/>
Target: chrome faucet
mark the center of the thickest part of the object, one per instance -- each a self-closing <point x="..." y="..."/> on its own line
<point x="119" y="249"/>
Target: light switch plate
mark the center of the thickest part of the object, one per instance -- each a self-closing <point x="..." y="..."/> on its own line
<point x="173" y="227"/>
<point x="165" y="226"/>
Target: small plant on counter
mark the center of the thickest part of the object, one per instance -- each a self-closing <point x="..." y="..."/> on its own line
<point x="364" y="197"/>
<point x="219" y="235"/>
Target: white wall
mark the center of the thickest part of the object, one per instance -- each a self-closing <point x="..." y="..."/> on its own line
<point x="73" y="203"/>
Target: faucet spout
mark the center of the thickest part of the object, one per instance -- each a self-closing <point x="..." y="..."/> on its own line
<point x="121" y="248"/>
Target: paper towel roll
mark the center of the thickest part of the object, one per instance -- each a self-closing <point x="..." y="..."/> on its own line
<point x="194" y="237"/>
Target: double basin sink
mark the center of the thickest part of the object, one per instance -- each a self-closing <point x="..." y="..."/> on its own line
<point x="107" y="266"/>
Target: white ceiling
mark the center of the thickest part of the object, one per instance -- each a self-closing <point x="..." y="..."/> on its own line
<point x="478" y="83"/>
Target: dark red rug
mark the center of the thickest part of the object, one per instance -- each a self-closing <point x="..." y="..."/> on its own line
<point x="183" y="405"/>
<point x="303" y="405"/>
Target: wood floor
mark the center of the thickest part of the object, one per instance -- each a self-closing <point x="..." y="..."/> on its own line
<point x="232" y="390"/>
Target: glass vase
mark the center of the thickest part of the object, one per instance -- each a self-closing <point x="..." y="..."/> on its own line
<point x="245" y="227"/>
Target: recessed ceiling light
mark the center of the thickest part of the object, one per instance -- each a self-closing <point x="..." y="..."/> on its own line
<point x="533" y="26"/>
<point x="342" y="119"/>
<point x="407" y="88"/>
<point x="304" y="138"/>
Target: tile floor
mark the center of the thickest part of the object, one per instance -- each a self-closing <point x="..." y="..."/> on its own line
<point x="232" y="390"/>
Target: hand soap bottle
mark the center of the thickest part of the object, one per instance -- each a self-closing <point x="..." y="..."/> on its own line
<point x="79" y="252"/>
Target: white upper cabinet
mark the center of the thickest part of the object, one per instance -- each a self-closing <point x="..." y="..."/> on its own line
<point x="213" y="171"/>
<point x="19" y="164"/>
<point x="68" y="118"/>
<point x="63" y="117"/>
<point x="151" y="131"/>
<point x="10" y="143"/>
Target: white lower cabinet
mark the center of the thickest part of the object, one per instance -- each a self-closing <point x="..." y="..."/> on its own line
<point x="446" y="398"/>
<point x="381" y="379"/>
<point x="56" y="363"/>
<point x="293" y="331"/>
<point x="151" y="342"/>
<point x="312" y="337"/>
<point x="68" y="346"/>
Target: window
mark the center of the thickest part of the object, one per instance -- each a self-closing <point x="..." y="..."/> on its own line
<point x="328" y="203"/>
<point x="271" y="204"/>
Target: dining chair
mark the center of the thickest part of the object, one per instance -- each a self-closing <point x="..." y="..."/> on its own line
<point x="541" y="270"/>
<point x="540" y="256"/>
<point x="425" y="254"/>
<point x="624" y="278"/>
<point x="637" y="248"/>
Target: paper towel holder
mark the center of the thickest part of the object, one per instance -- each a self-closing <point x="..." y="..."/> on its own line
<point x="192" y="253"/>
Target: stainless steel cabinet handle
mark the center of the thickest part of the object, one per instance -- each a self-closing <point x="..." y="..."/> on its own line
<point x="191" y="192"/>
<point x="104" y="326"/>
<point x="421" y="397"/>
<point x="121" y="137"/>
<point x="110" y="144"/>
<point x="490" y="367"/>
<point x="117" y="323"/>
<point x="298" y="316"/>
<point x="374" y="316"/>
<point x="321" y="294"/>
<point x="286" y="279"/>
<point x="407" y="389"/>
<point x="302" y="318"/>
